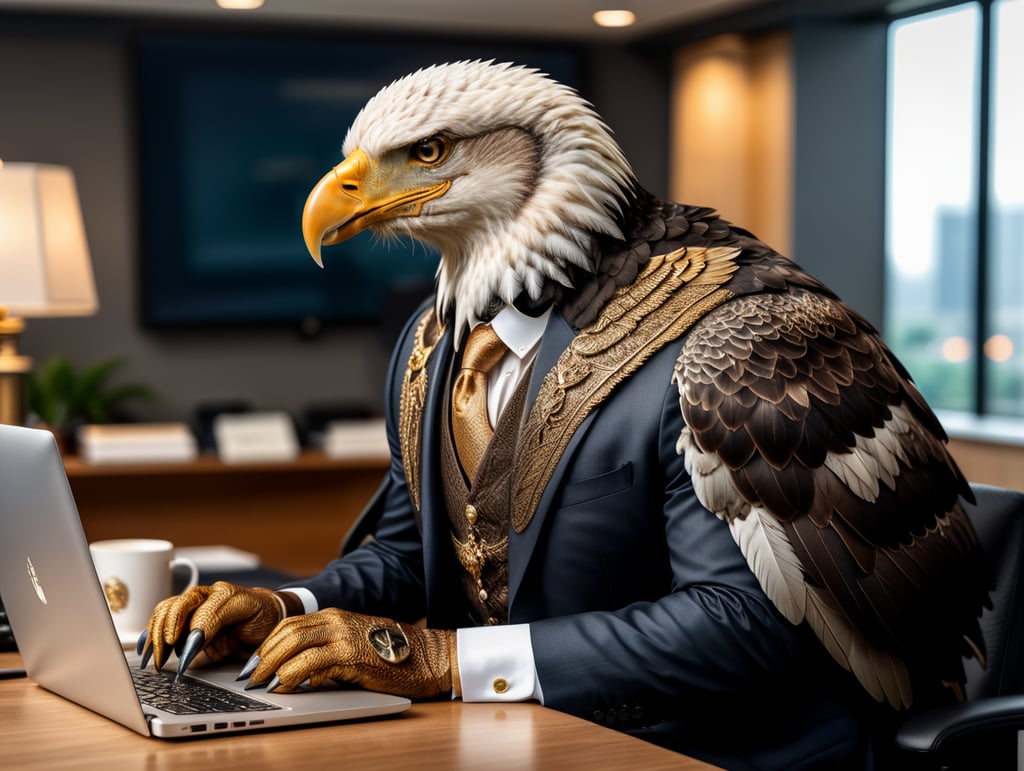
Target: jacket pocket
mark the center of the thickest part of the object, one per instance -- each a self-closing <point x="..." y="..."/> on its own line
<point x="598" y="486"/>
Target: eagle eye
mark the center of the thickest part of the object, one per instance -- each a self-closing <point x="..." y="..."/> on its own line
<point x="431" y="150"/>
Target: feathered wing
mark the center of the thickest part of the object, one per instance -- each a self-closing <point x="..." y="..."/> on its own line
<point x="806" y="435"/>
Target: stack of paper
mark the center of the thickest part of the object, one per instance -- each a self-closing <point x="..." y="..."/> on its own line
<point x="356" y="439"/>
<point x="137" y="443"/>
<point x="218" y="557"/>
<point x="255" y="437"/>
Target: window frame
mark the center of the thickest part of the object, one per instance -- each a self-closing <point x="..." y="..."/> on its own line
<point x="979" y="369"/>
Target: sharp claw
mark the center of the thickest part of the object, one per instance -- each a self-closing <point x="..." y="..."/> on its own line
<point x="274" y="683"/>
<point x="253" y="684"/>
<point x="147" y="654"/>
<point x="194" y="644"/>
<point x="141" y="644"/>
<point x="249" y="668"/>
<point x="257" y="683"/>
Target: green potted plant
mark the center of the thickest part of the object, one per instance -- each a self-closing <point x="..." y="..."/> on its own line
<point x="61" y="398"/>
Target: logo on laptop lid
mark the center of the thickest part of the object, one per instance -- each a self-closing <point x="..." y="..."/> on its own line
<point x="35" y="580"/>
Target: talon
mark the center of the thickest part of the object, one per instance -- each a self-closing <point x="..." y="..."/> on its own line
<point x="193" y="644"/>
<point x="147" y="654"/>
<point x="254" y="684"/>
<point x="274" y="683"/>
<point x="141" y="644"/>
<point x="249" y="668"/>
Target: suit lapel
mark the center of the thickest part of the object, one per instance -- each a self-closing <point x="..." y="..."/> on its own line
<point x="433" y="515"/>
<point x="557" y="337"/>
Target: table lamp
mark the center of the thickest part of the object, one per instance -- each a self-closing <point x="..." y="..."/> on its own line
<point x="44" y="264"/>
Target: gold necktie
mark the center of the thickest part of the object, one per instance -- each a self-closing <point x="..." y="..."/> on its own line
<point x="470" y="423"/>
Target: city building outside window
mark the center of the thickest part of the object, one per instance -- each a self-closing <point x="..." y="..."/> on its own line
<point x="955" y="205"/>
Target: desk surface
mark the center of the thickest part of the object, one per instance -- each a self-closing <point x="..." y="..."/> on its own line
<point x="40" y="730"/>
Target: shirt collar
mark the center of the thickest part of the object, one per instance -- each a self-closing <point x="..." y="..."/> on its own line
<point x="519" y="332"/>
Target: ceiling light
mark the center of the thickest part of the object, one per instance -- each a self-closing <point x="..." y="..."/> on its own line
<point x="239" y="5"/>
<point x="614" y="18"/>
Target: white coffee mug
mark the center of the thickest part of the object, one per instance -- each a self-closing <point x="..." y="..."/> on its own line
<point x="136" y="574"/>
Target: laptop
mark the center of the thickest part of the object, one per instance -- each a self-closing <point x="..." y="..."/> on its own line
<point x="67" y="639"/>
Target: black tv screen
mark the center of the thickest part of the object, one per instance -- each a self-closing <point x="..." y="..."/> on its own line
<point x="234" y="133"/>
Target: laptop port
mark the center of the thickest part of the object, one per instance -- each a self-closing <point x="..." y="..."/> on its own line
<point x="238" y="724"/>
<point x="256" y="722"/>
<point x="199" y="728"/>
<point x="219" y="726"/>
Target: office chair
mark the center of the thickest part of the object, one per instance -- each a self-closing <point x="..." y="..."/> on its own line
<point x="366" y="523"/>
<point x="986" y="731"/>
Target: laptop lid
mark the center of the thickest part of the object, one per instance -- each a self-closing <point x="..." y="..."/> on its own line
<point x="64" y="631"/>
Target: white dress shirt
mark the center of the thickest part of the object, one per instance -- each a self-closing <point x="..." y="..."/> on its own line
<point x="495" y="662"/>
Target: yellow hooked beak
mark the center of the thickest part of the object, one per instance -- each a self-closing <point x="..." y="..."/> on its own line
<point x="357" y="194"/>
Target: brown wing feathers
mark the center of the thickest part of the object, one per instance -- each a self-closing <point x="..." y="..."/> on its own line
<point x="819" y="427"/>
<point x="806" y="434"/>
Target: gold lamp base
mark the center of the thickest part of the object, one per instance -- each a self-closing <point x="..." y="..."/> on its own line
<point x="13" y="368"/>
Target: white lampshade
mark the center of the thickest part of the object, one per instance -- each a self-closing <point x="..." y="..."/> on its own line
<point x="44" y="256"/>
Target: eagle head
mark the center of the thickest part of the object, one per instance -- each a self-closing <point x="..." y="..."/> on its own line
<point x="509" y="174"/>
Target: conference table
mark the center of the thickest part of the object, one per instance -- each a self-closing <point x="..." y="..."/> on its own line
<point x="39" y="730"/>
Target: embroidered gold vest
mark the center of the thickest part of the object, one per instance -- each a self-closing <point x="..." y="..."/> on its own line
<point x="480" y="513"/>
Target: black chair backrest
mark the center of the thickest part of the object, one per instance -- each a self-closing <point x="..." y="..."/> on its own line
<point x="999" y="519"/>
<point x="366" y="523"/>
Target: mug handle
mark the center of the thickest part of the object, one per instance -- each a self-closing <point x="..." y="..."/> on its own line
<point x="193" y="578"/>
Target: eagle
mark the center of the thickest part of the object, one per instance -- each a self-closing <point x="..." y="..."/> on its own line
<point x="802" y="431"/>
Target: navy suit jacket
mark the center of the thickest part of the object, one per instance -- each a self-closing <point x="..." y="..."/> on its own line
<point x="644" y="614"/>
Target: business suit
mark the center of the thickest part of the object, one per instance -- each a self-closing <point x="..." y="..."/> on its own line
<point x="644" y="614"/>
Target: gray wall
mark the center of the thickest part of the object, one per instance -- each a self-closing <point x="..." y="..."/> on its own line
<point x="839" y="182"/>
<point x="66" y="97"/>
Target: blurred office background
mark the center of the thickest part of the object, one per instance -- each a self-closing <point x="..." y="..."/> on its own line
<point x="835" y="131"/>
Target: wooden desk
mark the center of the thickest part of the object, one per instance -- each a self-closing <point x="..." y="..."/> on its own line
<point x="41" y="731"/>
<point x="293" y="515"/>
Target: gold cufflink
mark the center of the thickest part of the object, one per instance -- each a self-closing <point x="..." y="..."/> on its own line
<point x="500" y="685"/>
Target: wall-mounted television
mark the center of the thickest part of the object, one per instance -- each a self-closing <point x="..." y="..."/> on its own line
<point x="234" y="132"/>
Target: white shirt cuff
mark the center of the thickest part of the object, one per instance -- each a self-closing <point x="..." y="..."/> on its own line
<point x="309" y="603"/>
<point x="496" y="664"/>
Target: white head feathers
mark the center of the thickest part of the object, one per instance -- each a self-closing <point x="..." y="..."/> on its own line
<point x="538" y="196"/>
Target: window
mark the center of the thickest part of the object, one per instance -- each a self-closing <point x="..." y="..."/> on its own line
<point x="955" y="205"/>
<point x="1004" y="342"/>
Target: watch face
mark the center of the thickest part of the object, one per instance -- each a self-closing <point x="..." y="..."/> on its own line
<point x="390" y="643"/>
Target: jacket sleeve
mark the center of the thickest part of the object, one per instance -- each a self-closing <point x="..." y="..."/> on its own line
<point x="713" y="635"/>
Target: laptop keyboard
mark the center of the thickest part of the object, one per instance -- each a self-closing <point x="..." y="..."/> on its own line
<point x="187" y="696"/>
